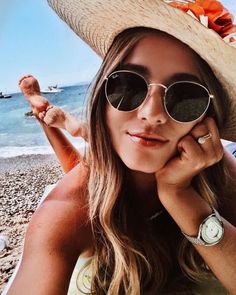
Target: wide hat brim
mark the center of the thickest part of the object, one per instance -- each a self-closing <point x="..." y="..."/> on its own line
<point x="98" y="22"/>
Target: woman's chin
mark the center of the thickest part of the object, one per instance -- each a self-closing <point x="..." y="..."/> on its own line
<point x="144" y="166"/>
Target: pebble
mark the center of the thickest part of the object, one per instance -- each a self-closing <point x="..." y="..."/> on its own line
<point x="4" y="242"/>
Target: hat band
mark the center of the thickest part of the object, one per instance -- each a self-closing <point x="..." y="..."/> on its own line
<point x="211" y="14"/>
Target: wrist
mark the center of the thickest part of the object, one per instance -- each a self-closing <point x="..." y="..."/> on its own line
<point x="186" y="207"/>
<point x="168" y="193"/>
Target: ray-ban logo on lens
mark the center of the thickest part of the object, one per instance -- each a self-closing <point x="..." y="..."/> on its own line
<point x="115" y="76"/>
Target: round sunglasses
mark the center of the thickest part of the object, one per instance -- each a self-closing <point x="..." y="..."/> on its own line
<point x="184" y="101"/>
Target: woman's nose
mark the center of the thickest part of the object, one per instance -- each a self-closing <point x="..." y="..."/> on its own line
<point x="153" y="109"/>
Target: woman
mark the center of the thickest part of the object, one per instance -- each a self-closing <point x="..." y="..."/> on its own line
<point x="153" y="201"/>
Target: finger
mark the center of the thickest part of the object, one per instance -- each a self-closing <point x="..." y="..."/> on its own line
<point x="192" y="153"/>
<point x="200" y="130"/>
<point x="212" y="145"/>
<point x="219" y="149"/>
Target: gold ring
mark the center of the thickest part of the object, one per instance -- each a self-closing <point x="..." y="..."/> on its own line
<point x="203" y="138"/>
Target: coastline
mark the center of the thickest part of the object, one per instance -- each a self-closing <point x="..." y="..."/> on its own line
<point x="22" y="182"/>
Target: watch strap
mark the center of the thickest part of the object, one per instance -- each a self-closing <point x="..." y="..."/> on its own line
<point x="194" y="240"/>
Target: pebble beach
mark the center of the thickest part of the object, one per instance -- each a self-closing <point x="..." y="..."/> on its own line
<point x="22" y="182"/>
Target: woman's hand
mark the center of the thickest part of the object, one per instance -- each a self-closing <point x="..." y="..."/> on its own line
<point x="193" y="157"/>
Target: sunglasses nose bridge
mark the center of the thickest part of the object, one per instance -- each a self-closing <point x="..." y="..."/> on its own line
<point x="156" y="84"/>
<point x="152" y="108"/>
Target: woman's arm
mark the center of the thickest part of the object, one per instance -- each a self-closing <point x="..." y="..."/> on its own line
<point x="189" y="209"/>
<point x="57" y="233"/>
<point x="49" y="256"/>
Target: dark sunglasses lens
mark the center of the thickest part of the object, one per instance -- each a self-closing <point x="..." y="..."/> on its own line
<point x="126" y="91"/>
<point x="186" y="101"/>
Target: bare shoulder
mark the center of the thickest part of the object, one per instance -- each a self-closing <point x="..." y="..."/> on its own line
<point x="73" y="186"/>
<point x="63" y="216"/>
<point x="228" y="206"/>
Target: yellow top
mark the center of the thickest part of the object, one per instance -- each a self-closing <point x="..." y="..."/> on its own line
<point x="80" y="282"/>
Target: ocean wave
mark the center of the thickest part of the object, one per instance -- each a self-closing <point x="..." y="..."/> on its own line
<point x="14" y="151"/>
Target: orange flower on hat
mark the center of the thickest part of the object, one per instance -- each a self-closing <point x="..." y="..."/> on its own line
<point x="218" y="17"/>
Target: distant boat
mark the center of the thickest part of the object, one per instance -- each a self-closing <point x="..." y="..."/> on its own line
<point x="2" y="96"/>
<point x="52" y="89"/>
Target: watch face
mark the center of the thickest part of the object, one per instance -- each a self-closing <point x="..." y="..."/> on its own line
<point x="212" y="230"/>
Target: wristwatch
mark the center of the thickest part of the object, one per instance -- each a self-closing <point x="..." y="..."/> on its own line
<point x="210" y="232"/>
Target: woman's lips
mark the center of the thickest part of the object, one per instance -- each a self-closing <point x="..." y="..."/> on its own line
<point x="147" y="139"/>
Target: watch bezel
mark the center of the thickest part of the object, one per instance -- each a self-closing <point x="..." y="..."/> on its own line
<point x="199" y="240"/>
<point x="203" y="227"/>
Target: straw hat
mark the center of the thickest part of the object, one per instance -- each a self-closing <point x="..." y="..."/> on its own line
<point x="206" y="26"/>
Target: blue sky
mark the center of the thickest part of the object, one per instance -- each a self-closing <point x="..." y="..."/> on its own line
<point x="34" y="40"/>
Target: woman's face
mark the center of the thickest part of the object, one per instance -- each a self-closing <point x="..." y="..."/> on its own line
<point x="157" y="57"/>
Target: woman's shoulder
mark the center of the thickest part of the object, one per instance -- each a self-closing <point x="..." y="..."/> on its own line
<point x="63" y="216"/>
<point x="73" y="187"/>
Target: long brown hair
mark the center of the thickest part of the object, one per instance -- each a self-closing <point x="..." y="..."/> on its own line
<point x="132" y="255"/>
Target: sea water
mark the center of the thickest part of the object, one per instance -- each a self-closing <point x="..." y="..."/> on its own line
<point x="23" y="135"/>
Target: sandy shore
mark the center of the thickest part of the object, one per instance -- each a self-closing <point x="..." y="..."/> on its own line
<point x="22" y="182"/>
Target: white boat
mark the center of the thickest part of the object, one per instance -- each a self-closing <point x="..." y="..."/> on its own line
<point x="4" y="95"/>
<point x="52" y="89"/>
